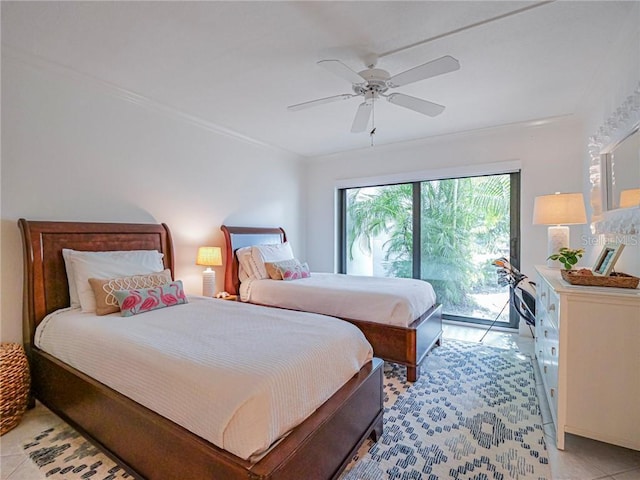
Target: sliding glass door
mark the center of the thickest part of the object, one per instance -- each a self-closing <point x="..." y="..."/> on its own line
<point x="462" y="225"/>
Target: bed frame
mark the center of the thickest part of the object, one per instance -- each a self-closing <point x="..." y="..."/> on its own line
<point x="404" y="345"/>
<point x="146" y="444"/>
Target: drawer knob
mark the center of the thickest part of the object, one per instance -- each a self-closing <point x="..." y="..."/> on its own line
<point x="553" y="350"/>
<point x="553" y="392"/>
<point x="545" y="369"/>
<point x="552" y="307"/>
<point x="543" y="294"/>
<point x="546" y="333"/>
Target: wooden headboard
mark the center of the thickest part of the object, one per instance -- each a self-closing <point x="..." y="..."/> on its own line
<point x="45" y="279"/>
<point x="238" y="237"/>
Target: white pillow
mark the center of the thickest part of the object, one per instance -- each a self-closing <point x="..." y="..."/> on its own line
<point x="245" y="271"/>
<point x="261" y="254"/>
<point x="73" y="291"/>
<point x="104" y="265"/>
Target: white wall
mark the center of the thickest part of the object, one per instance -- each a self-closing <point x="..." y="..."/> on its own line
<point x="74" y="149"/>
<point x="550" y="156"/>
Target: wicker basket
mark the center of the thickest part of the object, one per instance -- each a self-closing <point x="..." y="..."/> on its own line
<point x="15" y="384"/>
<point x="616" y="279"/>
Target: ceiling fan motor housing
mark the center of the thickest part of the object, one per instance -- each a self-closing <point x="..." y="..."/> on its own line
<point x="376" y="82"/>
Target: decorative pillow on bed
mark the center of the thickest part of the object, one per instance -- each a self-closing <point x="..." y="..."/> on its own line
<point x="140" y="300"/>
<point x="149" y="260"/>
<point x="261" y="254"/>
<point x="104" y="290"/>
<point x="287" y="270"/>
<point x="245" y="268"/>
<point x="122" y="264"/>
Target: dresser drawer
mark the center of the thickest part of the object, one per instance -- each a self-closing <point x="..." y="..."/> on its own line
<point x="539" y="343"/>
<point x="549" y="334"/>
<point x="550" y="378"/>
<point x="547" y="302"/>
<point x="552" y="397"/>
<point x="552" y="308"/>
<point x="542" y="297"/>
<point x="551" y="362"/>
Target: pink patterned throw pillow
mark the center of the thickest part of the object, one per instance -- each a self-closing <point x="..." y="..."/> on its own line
<point x="288" y="270"/>
<point x="103" y="290"/>
<point x="140" y="300"/>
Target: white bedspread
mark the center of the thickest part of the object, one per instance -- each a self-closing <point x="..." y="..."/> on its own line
<point x="392" y="301"/>
<point x="235" y="374"/>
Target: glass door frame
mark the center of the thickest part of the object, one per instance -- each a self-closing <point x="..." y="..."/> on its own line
<point x="514" y="237"/>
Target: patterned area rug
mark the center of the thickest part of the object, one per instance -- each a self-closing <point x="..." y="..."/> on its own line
<point x="61" y="452"/>
<point x="472" y="415"/>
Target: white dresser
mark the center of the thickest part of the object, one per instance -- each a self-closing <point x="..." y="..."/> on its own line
<point x="588" y="351"/>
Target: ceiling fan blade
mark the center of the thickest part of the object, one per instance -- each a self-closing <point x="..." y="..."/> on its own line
<point x="341" y="70"/>
<point x="416" y="104"/>
<point x="361" y="120"/>
<point x="320" y="101"/>
<point x="436" y="67"/>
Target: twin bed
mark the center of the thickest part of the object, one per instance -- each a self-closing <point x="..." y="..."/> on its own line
<point x="219" y="389"/>
<point x="399" y="317"/>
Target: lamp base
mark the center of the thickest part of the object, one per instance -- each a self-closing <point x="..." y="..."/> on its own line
<point x="557" y="238"/>
<point x="208" y="283"/>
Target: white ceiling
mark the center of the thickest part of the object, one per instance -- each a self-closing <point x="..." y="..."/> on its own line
<point x="238" y="65"/>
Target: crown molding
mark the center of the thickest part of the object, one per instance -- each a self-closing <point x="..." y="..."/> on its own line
<point x="37" y="62"/>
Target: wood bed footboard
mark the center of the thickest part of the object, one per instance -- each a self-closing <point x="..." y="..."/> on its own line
<point x="151" y="447"/>
<point x="148" y="445"/>
<point x="407" y="346"/>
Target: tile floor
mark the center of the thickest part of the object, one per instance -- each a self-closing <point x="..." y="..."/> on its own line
<point x="582" y="459"/>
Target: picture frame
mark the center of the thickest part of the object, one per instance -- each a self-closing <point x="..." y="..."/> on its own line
<point x="607" y="259"/>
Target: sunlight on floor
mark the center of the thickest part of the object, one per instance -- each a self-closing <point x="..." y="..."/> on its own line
<point x="493" y="338"/>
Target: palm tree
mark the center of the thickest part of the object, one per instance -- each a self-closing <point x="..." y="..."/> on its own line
<point x="459" y="218"/>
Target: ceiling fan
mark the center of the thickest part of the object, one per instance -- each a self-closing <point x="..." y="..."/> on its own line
<point x="373" y="83"/>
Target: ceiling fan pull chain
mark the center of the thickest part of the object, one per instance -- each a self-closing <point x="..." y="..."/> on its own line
<point x="373" y="120"/>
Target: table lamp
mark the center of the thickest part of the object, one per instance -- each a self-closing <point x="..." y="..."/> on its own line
<point x="209" y="257"/>
<point x="630" y="198"/>
<point x="557" y="211"/>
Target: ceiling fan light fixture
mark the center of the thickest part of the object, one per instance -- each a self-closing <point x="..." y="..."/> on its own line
<point x="371" y="95"/>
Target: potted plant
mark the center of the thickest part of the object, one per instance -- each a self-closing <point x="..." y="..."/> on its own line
<point x="567" y="257"/>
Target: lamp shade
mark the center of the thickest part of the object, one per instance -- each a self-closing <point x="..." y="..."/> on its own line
<point x="559" y="209"/>
<point x="209" y="256"/>
<point x="630" y="198"/>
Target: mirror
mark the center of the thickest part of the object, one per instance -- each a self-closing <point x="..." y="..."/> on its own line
<point x="622" y="165"/>
<point x="614" y="171"/>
